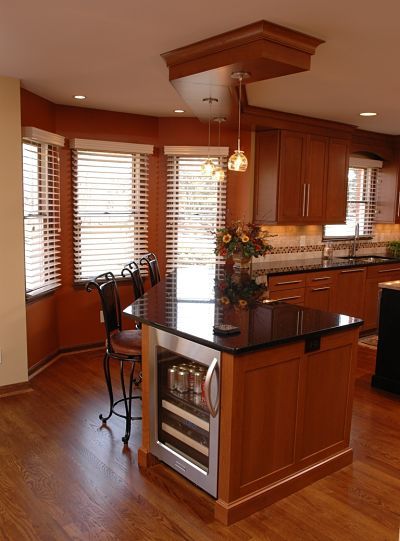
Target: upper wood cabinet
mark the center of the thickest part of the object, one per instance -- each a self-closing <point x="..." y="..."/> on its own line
<point x="300" y="178"/>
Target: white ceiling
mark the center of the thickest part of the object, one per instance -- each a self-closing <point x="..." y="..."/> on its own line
<point x="110" y="51"/>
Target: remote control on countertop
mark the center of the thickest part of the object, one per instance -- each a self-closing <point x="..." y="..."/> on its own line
<point x="225" y="328"/>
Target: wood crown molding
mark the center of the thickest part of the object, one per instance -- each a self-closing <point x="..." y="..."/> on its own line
<point x="262" y="48"/>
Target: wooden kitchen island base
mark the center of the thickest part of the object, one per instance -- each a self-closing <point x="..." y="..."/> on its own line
<point x="285" y="418"/>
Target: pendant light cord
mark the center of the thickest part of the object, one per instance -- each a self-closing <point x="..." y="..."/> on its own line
<point x="240" y="99"/>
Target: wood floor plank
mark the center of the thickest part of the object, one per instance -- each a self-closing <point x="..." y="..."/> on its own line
<point x="65" y="476"/>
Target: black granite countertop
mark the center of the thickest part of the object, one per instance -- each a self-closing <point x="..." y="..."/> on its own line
<point x="190" y="301"/>
<point x="317" y="264"/>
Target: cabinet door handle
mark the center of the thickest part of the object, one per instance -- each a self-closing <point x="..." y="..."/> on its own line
<point x="304" y="199"/>
<point x="320" y="288"/>
<point x="308" y="199"/>
<point x="288" y="298"/>
<point x="323" y="278"/>
<point x="207" y="388"/>
<point x="288" y="282"/>
<point x="352" y="270"/>
<point x="389" y="270"/>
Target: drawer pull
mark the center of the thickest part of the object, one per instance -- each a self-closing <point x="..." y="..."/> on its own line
<point x="389" y="270"/>
<point x="352" y="270"/>
<point x="323" y="278"/>
<point x="320" y="288"/>
<point x="289" y="282"/>
<point x="289" y="298"/>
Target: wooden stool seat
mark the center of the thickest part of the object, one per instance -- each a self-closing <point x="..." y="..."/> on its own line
<point x="127" y="342"/>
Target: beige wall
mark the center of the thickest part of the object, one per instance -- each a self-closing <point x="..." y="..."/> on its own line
<point x="13" y="367"/>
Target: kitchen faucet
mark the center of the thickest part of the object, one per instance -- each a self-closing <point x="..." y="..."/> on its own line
<point x="354" y="244"/>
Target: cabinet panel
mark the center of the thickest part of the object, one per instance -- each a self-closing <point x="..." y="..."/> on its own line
<point x="349" y="296"/>
<point x="266" y="177"/>
<point x="326" y="390"/>
<point x="286" y="281"/>
<point x="319" y="297"/>
<point x="336" y="184"/>
<point x="291" y="190"/>
<point x="315" y="176"/>
<point x="269" y="410"/>
<point x="300" y="178"/>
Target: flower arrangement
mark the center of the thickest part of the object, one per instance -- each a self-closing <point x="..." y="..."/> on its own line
<point x="246" y="239"/>
<point x="239" y="290"/>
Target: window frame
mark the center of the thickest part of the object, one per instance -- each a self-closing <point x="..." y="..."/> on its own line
<point x="136" y="218"/>
<point x="41" y="253"/>
<point x="371" y="166"/>
<point x="194" y="156"/>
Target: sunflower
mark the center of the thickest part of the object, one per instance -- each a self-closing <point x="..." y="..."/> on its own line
<point x="244" y="238"/>
<point x="226" y="238"/>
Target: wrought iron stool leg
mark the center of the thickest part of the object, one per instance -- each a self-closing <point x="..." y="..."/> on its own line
<point x="106" y="365"/>
<point x="125" y="439"/>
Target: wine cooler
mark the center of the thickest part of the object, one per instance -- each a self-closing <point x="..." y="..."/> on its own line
<point x="184" y="407"/>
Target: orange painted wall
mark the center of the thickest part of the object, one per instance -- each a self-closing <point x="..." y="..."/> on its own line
<point x="70" y="317"/>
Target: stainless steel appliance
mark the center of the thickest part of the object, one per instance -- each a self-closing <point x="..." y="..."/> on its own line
<point x="184" y="413"/>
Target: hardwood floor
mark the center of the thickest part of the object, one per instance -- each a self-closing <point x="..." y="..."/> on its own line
<point x="64" y="477"/>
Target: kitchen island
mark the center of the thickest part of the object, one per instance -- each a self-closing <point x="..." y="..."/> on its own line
<point x="285" y="383"/>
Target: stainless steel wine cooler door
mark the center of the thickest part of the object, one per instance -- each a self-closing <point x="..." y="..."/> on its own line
<point x="184" y="407"/>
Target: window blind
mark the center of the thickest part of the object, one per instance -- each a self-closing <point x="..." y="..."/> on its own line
<point x="195" y="207"/>
<point x="362" y="186"/>
<point x="110" y="209"/>
<point x="41" y="186"/>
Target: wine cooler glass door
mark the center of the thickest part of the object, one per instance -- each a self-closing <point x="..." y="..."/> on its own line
<point x="186" y="408"/>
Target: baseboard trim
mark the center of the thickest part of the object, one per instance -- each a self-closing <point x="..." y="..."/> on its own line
<point x="16" y="388"/>
<point x="38" y="367"/>
<point x="230" y="512"/>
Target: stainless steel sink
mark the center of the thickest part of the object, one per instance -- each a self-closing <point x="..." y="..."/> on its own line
<point x="366" y="258"/>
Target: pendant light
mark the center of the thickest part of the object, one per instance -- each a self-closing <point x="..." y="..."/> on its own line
<point x="208" y="167"/>
<point x="219" y="173"/>
<point x="238" y="160"/>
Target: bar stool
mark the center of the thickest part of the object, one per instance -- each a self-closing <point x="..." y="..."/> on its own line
<point x="150" y="260"/>
<point x="123" y="346"/>
<point x="132" y="269"/>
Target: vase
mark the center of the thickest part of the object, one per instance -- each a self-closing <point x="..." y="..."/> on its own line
<point x="240" y="262"/>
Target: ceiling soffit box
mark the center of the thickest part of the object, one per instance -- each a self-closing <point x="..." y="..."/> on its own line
<point x="263" y="49"/>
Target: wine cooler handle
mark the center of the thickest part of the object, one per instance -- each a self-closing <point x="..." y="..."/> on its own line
<point x="207" y="389"/>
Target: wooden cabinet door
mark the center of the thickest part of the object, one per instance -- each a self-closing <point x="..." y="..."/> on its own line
<point x="291" y="189"/>
<point x="349" y="294"/>
<point x="319" y="297"/>
<point x="315" y="179"/>
<point x="325" y="405"/>
<point x="266" y="177"/>
<point x="336" y="182"/>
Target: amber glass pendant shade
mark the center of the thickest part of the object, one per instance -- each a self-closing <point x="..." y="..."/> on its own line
<point x="238" y="161"/>
<point x="208" y="168"/>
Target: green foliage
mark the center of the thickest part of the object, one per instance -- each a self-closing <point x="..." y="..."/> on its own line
<point x="394" y="247"/>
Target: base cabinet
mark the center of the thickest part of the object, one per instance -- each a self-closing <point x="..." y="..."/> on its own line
<point x="285" y="419"/>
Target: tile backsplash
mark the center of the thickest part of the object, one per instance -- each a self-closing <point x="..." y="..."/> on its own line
<point x="294" y="242"/>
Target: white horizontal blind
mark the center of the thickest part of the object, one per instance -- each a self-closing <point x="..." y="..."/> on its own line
<point x="361" y="204"/>
<point x="41" y="182"/>
<point x="196" y="206"/>
<point x="110" y="210"/>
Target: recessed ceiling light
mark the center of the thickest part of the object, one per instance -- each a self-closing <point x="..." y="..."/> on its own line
<point x="179" y="111"/>
<point x="368" y="114"/>
<point x="80" y="97"/>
